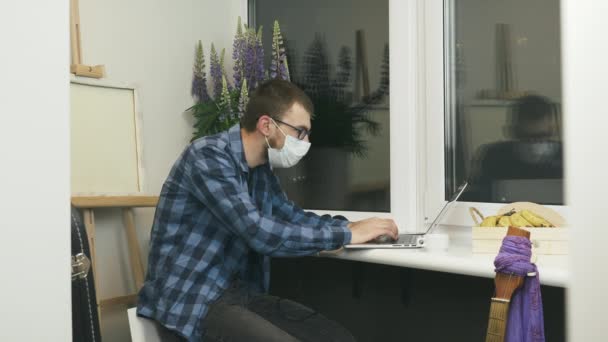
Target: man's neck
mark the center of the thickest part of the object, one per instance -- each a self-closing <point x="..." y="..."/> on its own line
<point x="254" y="148"/>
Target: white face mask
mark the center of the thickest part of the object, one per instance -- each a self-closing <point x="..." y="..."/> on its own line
<point x="293" y="150"/>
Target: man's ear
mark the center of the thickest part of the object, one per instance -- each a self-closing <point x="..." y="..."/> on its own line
<point x="263" y="126"/>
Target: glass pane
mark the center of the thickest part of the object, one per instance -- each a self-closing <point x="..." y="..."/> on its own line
<point x="337" y="51"/>
<point x="503" y="100"/>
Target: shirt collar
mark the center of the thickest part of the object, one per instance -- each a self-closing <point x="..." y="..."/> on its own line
<point x="236" y="146"/>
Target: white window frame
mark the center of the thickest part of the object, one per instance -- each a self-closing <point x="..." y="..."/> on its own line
<point x="405" y="77"/>
<point x="245" y="11"/>
<point x="432" y="178"/>
<point x="405" y="144"/>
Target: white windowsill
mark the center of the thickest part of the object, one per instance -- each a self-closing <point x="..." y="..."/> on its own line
<point x="459" y="259"/>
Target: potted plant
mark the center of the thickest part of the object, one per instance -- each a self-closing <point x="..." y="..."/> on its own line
<point x="340" y="126"/>
<point x="340" y="122"/>
<point x="225" y="107"/>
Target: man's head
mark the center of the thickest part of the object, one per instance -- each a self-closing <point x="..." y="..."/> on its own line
<point x="532" y="118"/>
<point x="276" y="106"/>
<point x="277" y="112"/>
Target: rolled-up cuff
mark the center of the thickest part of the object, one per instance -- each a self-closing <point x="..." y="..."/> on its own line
<point x="341" y="235"/>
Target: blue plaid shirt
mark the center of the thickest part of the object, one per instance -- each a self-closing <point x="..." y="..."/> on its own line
<point x="217" y="220"/>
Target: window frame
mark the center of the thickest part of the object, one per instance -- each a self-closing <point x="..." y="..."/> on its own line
<point x="405" y="78"/>
<point x="433" y="175"/>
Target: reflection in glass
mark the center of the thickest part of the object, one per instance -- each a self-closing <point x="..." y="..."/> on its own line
<point x="503" y="100"/>
<point x="337" y="53"/>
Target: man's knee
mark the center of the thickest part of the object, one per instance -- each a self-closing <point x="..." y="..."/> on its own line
<point x="236" y="323"/>
<point x="332" y="331"/>
<point x="302" y="321"/>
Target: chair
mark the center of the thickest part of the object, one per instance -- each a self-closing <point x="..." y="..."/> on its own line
<point x="146" y="330"/>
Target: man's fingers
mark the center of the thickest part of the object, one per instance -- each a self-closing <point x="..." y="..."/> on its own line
<point x="391" y="225"/>
<point x="390" y="233"/>
<point x="396" y="233"/>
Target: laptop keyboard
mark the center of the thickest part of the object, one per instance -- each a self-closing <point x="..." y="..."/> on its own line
<point x="408" y="239"/>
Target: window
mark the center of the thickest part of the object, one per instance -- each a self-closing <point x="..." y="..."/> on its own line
<point x="502" y="100"/>
<point x="337" y="51"/>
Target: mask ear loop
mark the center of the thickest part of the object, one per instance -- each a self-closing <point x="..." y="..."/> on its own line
<point x="275" y="123"/>
<point x="266" y="137"/>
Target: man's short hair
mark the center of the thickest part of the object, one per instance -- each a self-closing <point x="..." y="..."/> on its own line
<point x="273" y="98"/>
<point x="532" y="108"/>
<point x="531" y="111"/>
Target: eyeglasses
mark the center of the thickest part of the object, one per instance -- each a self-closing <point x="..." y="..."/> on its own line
<point x="302" y="132"/>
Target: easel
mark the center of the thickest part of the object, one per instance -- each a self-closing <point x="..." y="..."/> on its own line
<point x="77" y="67"/>
<point x="127" y="204"/>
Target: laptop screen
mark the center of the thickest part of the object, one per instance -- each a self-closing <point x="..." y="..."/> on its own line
<point x="447" y="206"/>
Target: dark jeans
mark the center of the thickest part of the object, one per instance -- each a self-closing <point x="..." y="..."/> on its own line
<point x="243" y="316"/>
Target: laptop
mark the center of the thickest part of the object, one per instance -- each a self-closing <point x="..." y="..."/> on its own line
<point x="412" y="240"/>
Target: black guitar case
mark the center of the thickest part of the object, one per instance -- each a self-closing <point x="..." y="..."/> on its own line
<point x="85" y="320"/>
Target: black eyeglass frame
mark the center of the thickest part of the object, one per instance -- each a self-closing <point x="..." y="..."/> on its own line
<point x="302" y="132"/>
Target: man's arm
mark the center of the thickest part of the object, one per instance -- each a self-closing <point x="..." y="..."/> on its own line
<point x="362" y="231"/>
<point x="289" y="211"/>
<point x="212" y="179"/>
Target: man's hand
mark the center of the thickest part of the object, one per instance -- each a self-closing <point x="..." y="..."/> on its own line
<point x="369" y="229"/>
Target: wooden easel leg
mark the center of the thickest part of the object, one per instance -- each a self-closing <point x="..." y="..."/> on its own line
<point x="75" y="44"/>
<point x="89" y="225"/>
<point x="134" y="254"/>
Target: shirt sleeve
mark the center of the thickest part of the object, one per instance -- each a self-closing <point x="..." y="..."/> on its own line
<point x="213" y="180"/>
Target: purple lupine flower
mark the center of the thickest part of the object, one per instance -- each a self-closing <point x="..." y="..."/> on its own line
<point x="199" y="90"/>
<point x="222" y="54"/>
<point x="249" y="57"/>
<point x="243" y="99"/>
<point x="260" y="70"/>
<point x="215" y="71"/>
<point x="278" y="63"/>
<point x="225" y="104"/>
<point x="199" y="80"/>
<point x="238" y="54"/>
<point x="254" y="58"/>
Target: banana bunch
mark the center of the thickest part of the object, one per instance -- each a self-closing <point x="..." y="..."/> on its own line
<point x="523" y="218"/>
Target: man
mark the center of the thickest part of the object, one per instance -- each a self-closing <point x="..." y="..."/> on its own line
<point x="532" y="151"/>
<point x="222" y="215"/>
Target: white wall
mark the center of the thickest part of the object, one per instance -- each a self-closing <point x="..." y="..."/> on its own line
<point x="585" y="74"/>
<point x="150" y="44"/>
<point x="34" y="178"/>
